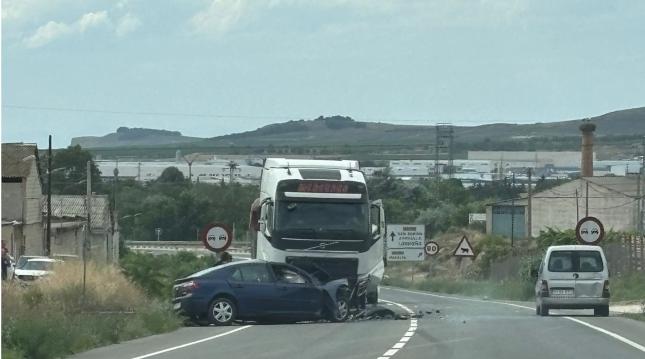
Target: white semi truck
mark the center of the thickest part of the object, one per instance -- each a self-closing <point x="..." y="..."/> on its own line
<point x="317" y="214"/>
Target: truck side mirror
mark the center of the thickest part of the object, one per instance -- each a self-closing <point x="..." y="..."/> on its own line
<point x="265" y="223"/>
<point x="254" y="220"/>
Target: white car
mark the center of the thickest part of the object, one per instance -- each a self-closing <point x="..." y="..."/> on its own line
<point x="573" y="277"/>
<point x="35" y="268"/>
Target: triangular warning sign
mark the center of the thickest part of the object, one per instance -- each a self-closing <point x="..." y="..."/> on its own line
<point x="464" y="249"/>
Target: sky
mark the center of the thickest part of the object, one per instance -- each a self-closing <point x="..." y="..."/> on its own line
<point x="213" y="67"/>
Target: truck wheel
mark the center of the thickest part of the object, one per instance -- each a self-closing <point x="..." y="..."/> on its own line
<point x="372" y="297"/>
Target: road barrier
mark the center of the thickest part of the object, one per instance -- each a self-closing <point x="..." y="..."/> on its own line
<point x="175" y="246"/>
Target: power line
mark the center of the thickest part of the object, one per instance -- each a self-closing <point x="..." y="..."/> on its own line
<point x="419" y="122"/>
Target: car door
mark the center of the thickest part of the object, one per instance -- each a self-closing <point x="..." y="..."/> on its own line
<point x="591" y="274"/>
<point x="297" y="295"/>
<point x="254" y="289"/>
<point x="561" y="274"/>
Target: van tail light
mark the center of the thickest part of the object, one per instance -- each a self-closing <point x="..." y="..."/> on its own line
<point x="605" y="289"/>
<point x="544" y="289"/>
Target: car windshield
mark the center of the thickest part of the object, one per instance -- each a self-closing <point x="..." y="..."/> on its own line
<point x="295" y="218"/>
<point x="38" y="265"/>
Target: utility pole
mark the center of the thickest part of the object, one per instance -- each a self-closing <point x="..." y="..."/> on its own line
<point x="587" y="199"/>
<point x="639" y="194"/>
<point x="513" y="210"/>
<point x="577" y="208"/>
<point x="48" y="240"/>
<point x="529" y="208"/>
<point x="88" y="207"/>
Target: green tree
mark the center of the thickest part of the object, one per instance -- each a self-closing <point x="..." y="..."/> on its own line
<point x="171" y="174"/>
<point x="69" y="171"/>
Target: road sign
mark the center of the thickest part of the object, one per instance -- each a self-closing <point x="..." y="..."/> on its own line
<point x="432" y="248"/>
<point x="406" y="235"/>
<point x="216" y="237"/>
<point x="405" y="254"/>
<point x="464" y="249"/>
<point x="589" y="231"/>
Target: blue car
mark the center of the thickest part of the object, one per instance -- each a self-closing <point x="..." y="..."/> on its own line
<point x="259" y="291"/>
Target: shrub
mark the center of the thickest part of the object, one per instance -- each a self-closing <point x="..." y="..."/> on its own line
<point x="156" y="274"/>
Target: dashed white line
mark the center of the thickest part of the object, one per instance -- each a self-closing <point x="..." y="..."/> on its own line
<point x="192" y="343"/>
<point x="406" y="337"/>
<point x="599" y="329"/>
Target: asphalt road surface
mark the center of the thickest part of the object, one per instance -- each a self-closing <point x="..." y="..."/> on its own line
<point x="457" y="327"/>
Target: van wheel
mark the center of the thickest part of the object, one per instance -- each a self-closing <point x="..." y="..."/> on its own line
<point x="544" y="310"/>
<point x="601" y="311"/>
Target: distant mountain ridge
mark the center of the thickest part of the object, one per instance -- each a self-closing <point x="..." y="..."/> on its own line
<point x="125" y="136"/>
<point x="341" y="130"/>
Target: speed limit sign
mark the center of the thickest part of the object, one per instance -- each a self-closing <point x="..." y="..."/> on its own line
<point x="432" y="248"/>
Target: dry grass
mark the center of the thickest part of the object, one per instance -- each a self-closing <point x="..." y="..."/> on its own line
<point x="55" y="316"/>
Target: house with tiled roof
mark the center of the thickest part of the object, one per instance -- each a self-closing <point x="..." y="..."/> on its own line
<point x="70" y="228"/>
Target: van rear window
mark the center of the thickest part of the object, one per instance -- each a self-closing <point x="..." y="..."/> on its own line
<point x="575" y="261"/>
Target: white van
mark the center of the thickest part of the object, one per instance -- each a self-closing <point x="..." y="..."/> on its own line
<point x="573" y="277"/>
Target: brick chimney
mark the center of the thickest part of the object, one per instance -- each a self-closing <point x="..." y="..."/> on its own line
<point x="586" y="166"/>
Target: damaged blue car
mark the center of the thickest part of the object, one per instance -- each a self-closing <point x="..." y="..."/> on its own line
<point x="259" y="291"/>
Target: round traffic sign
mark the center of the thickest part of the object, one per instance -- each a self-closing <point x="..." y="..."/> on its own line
<point x="217" y="237"/>
<point x="589" y="231"/>
<point x="432" y="248"/>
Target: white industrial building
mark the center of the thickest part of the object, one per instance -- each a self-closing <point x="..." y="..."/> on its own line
<point x="214" y="171"/>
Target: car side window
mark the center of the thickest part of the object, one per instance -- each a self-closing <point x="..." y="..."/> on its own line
<point x="236" y="275"/>
<point x="287" y="275"/>
<point x="255" y="273"/>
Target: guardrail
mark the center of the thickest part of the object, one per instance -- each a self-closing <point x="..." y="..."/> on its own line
<point x="175" y="246"/>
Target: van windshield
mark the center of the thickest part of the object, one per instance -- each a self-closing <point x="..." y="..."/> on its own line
<point x="575" y="261"/>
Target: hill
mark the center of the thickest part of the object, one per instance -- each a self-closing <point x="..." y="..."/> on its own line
<point x="618" y="136"/>
<point x="125" y="136"/>
<point x="344" y="130"/>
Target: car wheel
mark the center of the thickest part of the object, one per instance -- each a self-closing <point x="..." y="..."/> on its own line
<point x="537" y="309"/>
<point x="342" y="310"/>
<point x="601" y="311"/>
<point x="544" y="311"/>
<point x="222" y="311"/>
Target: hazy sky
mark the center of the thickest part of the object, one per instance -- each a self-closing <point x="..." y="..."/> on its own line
<point x="247" y="63"/>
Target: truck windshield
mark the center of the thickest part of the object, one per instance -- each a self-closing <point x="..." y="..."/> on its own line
<point x="322" y="219"/>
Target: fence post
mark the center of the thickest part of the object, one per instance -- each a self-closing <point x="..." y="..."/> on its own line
<point x="628" y="246"/>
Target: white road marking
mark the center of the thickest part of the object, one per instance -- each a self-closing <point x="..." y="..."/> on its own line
<point x="611" y="334"/>
<point x="406" y="337"/>
<point x="192" y="343"/>
<point x="599" y="329"/>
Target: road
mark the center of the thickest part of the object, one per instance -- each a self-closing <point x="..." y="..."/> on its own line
<point x="463" y="328"/>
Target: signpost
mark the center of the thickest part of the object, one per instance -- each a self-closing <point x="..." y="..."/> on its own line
<point x="590" y="231"/>
<point x="405" y="242"/>
<point x="217" y="237"/>
<point x="432" y="248"/>
<point x="464" y="249"/>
